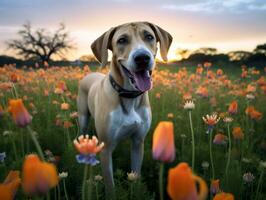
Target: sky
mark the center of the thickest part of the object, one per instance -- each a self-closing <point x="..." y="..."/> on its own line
<point x="223" y="24"/>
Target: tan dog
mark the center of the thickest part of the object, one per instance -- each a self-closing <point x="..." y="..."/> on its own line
<point x="119" y="101"/>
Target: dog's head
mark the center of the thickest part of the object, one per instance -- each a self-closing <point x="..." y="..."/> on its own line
<point x="134" y="47"/>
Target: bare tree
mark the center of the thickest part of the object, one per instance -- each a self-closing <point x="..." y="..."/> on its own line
<point x="41" y="43"/>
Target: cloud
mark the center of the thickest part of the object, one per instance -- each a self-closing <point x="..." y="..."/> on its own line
<point x="214" y="6"/>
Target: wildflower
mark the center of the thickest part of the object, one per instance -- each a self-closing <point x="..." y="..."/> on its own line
<point x="250" y="96"/>
<point x="244" y="74"/>
<point x="19" y="113"/>
<point x="219" y="139"/>
<point x="187" y="97"/>
<point x="38" y="176"/>
<point x="224" y="196"/>
<point x="14" y="78"/>
<point x="211" y="120"/>
<point x="233" y="108"/>
<point x="253" y="113"/>
<point x="228" y="119"/>
<point x="2" y="157"/>
<point x="65" y="106"/>
<point x="74" y="115"/>
<point x="88" y="148"/>
<point x="205" y="165"/>
<point x="158" y="95"/>
<point x="132" y="176"/>
<point x="248" y="177"/>
<point x="189" y="105"/>
<point x="10" y="185"/>
<point x="251" y="89"/>
<point x="182" y="184"/>
<point x="98" y="178"/>
<point x="238" y="133"/>
<point x="219" y="72"/>
<point x="1" y="111"/>
<point x="207" y="65"/>
<point x="199" y="70"/>
<point x="63" y="175"/>
<point x="163" y="147"/>
<point x="202" y="91"/>
<point x="215" y="186"/>
<point x="170" y="115"/>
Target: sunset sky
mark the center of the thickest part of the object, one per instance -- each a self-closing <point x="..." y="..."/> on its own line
<point x="223" y="24"/>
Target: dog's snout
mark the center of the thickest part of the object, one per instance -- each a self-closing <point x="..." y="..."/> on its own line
<point x="142" y="59"/>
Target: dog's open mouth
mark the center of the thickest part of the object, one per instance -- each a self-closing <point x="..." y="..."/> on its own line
<point x="141" y="79"/>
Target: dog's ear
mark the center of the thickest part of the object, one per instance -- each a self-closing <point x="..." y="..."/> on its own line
<point x="164" y="38"/>
<point x="101" y="45"/>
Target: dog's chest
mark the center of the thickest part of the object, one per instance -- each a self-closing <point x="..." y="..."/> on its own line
<point x="126" y="124"/>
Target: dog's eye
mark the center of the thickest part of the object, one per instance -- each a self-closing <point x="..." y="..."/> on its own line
<point x="149" y="37"/>
<point x="122" y="41"/>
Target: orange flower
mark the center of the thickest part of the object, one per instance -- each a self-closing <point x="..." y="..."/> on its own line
<point x="224" y="196"/>
<point x="253" y="113"/>
<point x="14" y="78"/>
<point x="163" y="145"/>
<point x="38" y="177"/>
<point x="211" y="120"/>
<point x="244" y="74"/>
<point x="219" y="72"/>
<point x="182" y="184"/>
<point x="85" y="145"/>
<point x="19" y="113"/>
<point x="9" y="187"/>
<point x="233" y="107"/>
<point x="238" y="133"/>
<point x="215" y="186"/>
<point x="199" y="70"/>
<point x="219" y="139"/>
<point x="202" y="91"/>
<point x="251" y="88"/>
<point x="65" y="106"/>
<point x="187" y="96"/>
<point x="158" y="95"/>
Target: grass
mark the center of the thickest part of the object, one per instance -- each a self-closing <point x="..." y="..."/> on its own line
<point x="171" y="82"/>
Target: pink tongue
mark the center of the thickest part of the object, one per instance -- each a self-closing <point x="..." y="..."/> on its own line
<point x="143" y="80"/>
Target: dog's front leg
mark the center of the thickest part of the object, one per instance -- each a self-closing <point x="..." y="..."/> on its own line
<point x="107" y="170"/>
<point x="137" y="150"/>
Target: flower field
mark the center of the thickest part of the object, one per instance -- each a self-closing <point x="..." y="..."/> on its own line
<point x="208" y="132"/>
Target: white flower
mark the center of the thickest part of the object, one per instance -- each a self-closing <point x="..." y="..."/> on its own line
<point x="189" y="105"/>
<point x="132" y="176"/>
<point x="228" y="119"/>
<point x="63" y="175"/>
<point x="205" y="165"/>
<point x="248" y="177"/>
<point x="98" y="178"/>
<point x="250" y="96"/>
<point x="7" y="133"/>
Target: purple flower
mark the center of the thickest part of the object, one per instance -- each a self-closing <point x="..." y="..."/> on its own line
<point x="2" y="157"/>
<point x="89" y="159"/>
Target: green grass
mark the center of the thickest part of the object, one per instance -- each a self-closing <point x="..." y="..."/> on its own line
<point x="54" y="138"/>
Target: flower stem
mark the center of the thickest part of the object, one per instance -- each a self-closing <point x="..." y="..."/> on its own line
<point x="229" y="152"/>
<point x="96" y="188"/>
<point x="84" y="181"/>
<point x="193" y="141"/>
<point x="211" y="157"/>
<point x="36" y="143"/>
<point x="90" y="183"/>
<point x="161" y="180"/>
<point x="259" y="184"/>
<point x="65" y="190"/>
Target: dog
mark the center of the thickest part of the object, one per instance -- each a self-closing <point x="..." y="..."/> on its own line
<point x="119" y="101"/>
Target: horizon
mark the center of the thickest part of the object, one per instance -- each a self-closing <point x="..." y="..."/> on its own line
<point x="225" y="25"/>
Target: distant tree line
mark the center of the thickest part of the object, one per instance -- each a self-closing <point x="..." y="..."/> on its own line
<point x="41" y="46"/>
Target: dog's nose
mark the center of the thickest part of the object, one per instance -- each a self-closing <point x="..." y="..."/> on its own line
<point x="142" y="59"/>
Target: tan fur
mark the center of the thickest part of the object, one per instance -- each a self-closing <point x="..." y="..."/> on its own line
<point x="96" y="95"/>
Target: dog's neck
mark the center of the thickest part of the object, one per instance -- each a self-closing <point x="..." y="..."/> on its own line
<point x="120" y="79"/>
